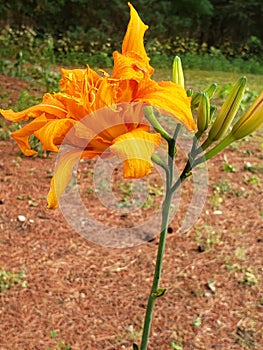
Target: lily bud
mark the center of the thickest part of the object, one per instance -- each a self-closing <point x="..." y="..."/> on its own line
<point x="195" y="99"/>
<point x="250" y="121"/>
<point x="203" y="113"/>
<point x="177" y="73"/>
<point x="212" y="111"/>
<point x="210" y="90"/>
<point x="228" y="111"/>
<point x="189" y="92"/>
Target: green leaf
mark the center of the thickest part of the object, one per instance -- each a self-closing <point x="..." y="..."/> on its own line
<point x="160" y="292"/>
<point x="53" y="334"/>
<point x="175" y="346"/>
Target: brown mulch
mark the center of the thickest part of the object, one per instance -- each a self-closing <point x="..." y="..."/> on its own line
<point x="94" y="296"/>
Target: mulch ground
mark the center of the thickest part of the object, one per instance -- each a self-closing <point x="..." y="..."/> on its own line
<point x="94" y="296"/>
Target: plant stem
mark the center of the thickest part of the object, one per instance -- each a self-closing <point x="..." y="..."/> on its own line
<point x="171" y="187"/>
<point x="161" y="247"/>
<point x="158" y="270"/>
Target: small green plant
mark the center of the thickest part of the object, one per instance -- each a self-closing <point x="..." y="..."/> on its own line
<point x="59" y="346"/>
<point x="227" y="167"/>
<point x="223" y="186"/>
<point x="8" y="279"/>
<point x="25" y="100"/>
<point x="37" y="146"/>
<point x="253" y="180"/>
<point x="207" y="238"/>
<point x="155" y="192"/>
<point x="197" y="322"/>
<point x="249" y="278"/>
<point x="175" y="346"/>
<point x="4" y="131"/>
<point x="220" y="189"/>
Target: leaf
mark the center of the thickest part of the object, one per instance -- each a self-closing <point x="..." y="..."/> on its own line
<point x="160" y="292"/>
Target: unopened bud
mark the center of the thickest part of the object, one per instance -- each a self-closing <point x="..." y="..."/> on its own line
<point x="228" y="111"/>
<point x="210" y="90"/>
<point x="195" y="99"/>
<point x="189" y="92"/>
<point x="250" y="121"/>
<point x="177" y="73"/>
<point x="212" y="111"/>
<point x="203" y="113"/>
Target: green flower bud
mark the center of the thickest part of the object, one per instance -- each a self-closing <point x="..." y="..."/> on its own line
<point x="195" y="99"/>
<point x="210" y="90"/>
<point x="228" y="110"/>
<point x="250" y="121"/>
<point x="177" y="73"/>
<point x="203" y="112"/>
<point x="189" y="92"/>
<point x="212" y="111"/>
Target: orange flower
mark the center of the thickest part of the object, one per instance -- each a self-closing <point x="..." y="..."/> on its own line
<point x="110" y="127"/>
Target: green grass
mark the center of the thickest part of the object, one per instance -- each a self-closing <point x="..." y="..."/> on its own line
<point x="199" y="79"/>
<point x="9" y="278"/>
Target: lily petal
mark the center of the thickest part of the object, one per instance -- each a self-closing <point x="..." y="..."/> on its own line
<point x="22" y="135"/>
<point x="76" y="82"/>
<point x="50" y="106"/>
<point x="77" y="107"/>
<point x="131" y="67"/>
<point x="133" y="62"/>
<point x="135" y="149"/>
<point x="170" y="98"/>
<point x="63" y="174"/>
<point x="106" y="94"/>
<point x="53" y="133"/>
<point x="133" y="39"/>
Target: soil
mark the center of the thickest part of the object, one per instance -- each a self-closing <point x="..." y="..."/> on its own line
<point x="91" y="294"/>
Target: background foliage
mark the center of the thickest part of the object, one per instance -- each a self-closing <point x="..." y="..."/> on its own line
<point x="72" y="30"/>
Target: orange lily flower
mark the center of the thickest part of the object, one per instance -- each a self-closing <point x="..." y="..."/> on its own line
<point x="90" y="113"/>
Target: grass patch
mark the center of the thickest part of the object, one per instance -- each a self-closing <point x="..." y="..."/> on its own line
<point x="200" y="79"/>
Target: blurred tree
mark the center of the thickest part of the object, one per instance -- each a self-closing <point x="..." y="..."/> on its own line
<point x="213" y="21"/>
<point x="236" y="20"/>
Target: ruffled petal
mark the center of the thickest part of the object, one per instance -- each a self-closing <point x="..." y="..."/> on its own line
<point x="50" y="106"/>
<point x="133" y="39"/>
<point x="63" y="174"/>
<point x="22" y="135"/>
<point x="133" y="62"/>
<point x="131" y="67"/>
<point x="135" y="149"/>
<point x="77" y="108"/>
<point x="52" y="134"/>
<point x="170" y="98"/>
<point x="78" y="82"/>
<point x="106" y="94"/>
<point x="62" y="177"/>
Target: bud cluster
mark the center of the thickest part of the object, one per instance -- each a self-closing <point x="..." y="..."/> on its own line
<point x="223" y="127"/>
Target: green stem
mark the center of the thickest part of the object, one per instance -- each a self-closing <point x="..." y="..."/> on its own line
<point x="214" y="151"/>
<point x="149" y="115"/>
<point x="157" y="274"/>
<point x="176" y="132"/>
<point x="155" y="292"/>
<point x="171" y="187"/>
